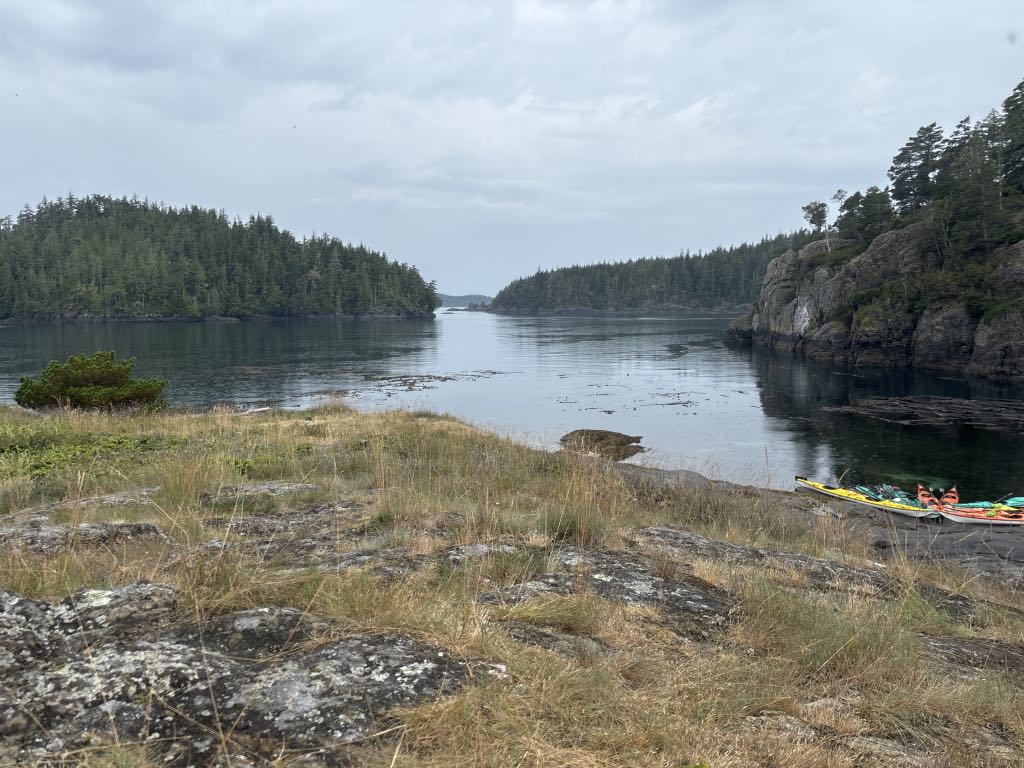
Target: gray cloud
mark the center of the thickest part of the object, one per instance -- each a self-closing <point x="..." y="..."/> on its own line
<point x="479" y="140"/>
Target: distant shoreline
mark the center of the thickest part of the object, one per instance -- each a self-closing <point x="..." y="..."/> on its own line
<point x="724" y="312"/>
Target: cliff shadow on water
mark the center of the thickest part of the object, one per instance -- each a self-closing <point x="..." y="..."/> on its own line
<point x="797" y="395"/>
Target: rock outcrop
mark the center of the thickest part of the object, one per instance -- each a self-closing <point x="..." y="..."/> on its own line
<point x="689" y="605"/>
<point x="40" y="535"/>
<point x="858" y="312"/>
<point x="107" y="664"/>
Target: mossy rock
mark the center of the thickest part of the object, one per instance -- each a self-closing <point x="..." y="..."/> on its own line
<point x="602" y="442"/>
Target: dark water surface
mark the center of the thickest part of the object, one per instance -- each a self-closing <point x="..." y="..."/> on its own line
<point x="746" y="416"/>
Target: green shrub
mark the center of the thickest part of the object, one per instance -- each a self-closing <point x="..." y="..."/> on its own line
<point x="90" y="381"/>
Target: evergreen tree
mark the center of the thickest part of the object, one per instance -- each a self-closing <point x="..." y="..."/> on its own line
<point x="969" y="216"/>
<point x="863" y="217"/>
<point x="913" y="169"/>
<point x="1013" y="137"/>
<point x="816" y="214"/>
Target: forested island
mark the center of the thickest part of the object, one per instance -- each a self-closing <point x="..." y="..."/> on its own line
<point x="120" y="258"/>
<point x="723" y="277"/>
<point x="927" y="272"/>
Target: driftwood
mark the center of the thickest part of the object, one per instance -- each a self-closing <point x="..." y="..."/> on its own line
<point x="994" y="415"/>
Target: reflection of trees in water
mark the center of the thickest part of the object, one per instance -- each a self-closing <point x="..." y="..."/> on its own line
<point x="223" y="361"/>
<point x="793" y="392"/>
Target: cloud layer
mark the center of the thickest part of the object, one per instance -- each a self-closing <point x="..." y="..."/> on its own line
<point x="480" y="140"/>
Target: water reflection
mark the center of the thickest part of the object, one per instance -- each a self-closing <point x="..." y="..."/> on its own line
<point x="293" y="362"/>
<point x="793" y="392"/>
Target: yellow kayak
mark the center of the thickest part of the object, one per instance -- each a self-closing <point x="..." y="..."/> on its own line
<point x="856" y="497"/>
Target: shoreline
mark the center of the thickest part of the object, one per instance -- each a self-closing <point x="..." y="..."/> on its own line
<point x="667" y="311"/>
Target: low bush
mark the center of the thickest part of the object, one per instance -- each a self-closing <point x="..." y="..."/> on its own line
<point x="96" y="381"/>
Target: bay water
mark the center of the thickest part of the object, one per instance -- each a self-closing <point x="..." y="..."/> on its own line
<point x="748" y="416"/>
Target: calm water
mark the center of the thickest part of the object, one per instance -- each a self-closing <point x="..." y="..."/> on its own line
<point x="739" y="415"/>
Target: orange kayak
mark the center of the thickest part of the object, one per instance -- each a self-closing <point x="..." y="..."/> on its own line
<point x="984" y="513"/>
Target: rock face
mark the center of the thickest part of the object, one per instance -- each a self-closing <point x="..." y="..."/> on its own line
<point x="999" y="347"/>
<point x="806" y="306"/>
<point x="105" y="664"/>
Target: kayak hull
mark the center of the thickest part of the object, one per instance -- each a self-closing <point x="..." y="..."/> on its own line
<point x="854" y="497"/>
<point x="979" y="518"/>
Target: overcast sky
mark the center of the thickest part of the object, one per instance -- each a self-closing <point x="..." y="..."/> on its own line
<point x="479" y="140"/>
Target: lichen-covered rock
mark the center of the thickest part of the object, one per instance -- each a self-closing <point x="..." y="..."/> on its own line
<point x="250" y="683"/>
<point x="327" y="516"/>
<point x="134" y="497"/>
<point x="26" y="632"/>
<point x="33" y="630"/>
<point x="690" y="605"/>
<point x="799" y="296"/>
<point x="464" y="553"/>
<point x="249" y="490"/>
<point x="42" y="536"/>
<point x="324" y="553"/>
<point x="115" y="612"/>
<point x="790" y="725"/>
<point x="814" y="572"/>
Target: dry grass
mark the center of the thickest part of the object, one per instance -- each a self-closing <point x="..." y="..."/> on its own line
<point x="427" y="482"/>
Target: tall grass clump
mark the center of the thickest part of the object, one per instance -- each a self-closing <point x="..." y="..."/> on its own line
<point x="828" y="638"/>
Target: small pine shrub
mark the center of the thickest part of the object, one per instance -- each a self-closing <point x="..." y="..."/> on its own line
<point x="96" y="381"/>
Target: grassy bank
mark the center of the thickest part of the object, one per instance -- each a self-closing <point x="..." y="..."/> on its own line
<point x="847" y="663"/>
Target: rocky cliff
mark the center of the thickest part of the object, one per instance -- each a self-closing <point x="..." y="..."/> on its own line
<point x="868" y="308"/>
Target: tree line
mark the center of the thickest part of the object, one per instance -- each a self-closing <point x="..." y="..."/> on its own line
<point x="719" y="277"/>
<point x="964" y="190"/>
<point x="109" y="257"/>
